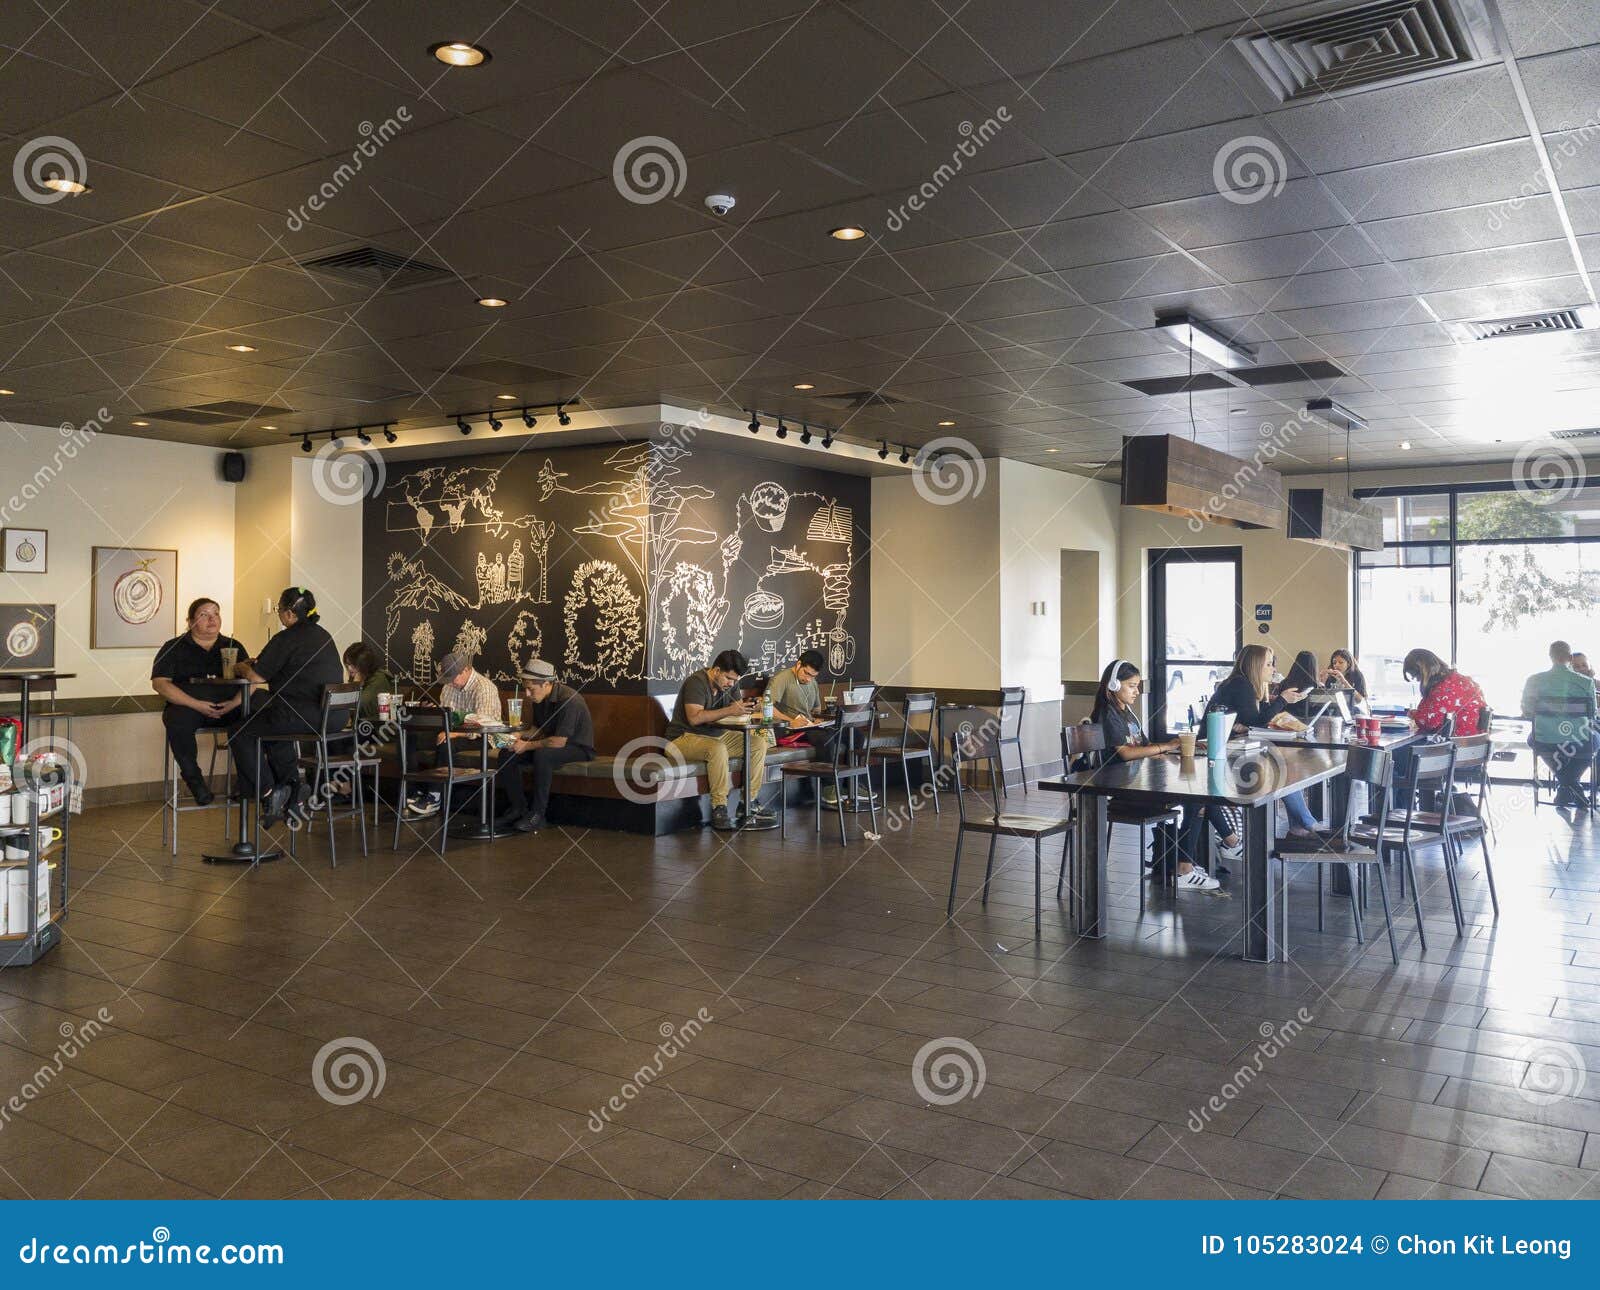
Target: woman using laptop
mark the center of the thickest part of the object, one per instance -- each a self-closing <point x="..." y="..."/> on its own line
<point x="1343" y="674"/>
<point x="1244" y="694"/>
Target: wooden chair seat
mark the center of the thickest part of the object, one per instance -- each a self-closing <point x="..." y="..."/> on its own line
<point x="1022" y="826"/>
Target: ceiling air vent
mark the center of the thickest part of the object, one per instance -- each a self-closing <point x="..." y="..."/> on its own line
<point x="856" y="400"/>
<point x="1363" y="46"/>
<point x="216" y="414"/>
<point x="1579" y="319"/>
<point x="373" y="268"/>
<point x="1155" y="385"/>
<point x="1593" y="432"/>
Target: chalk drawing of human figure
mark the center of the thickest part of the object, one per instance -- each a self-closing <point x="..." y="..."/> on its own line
<point x="482" y="575"/>
<point x="514" y="569"/>
<point x="497" y="578"/>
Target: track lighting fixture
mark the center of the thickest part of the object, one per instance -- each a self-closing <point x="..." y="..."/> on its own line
<point x="805" y="433"/>
<point x="561" y="415"/>
<point x="755" y="424"/>
<point x="528" y="419"/>
<point x="905" y="454"/>
<point x="495" y="423"/>
<point x="389" y="435"/>
<point x="461" y="425"/>
<point x="883" y="450"/>
<point x="827" y="438"/>
<point x="363" y="436"/>
<point x="305" y="443"/>
<point x="336" y="437"/>
<point x="783" y="430"/>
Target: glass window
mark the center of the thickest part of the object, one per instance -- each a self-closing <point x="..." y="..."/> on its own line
<point x="1400" y="608"/>
<point x="1421" y="517"/>
<point x="1202" y="619"/>
<point x="1514" y="513"/>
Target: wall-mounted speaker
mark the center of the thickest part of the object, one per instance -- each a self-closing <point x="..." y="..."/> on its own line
<point x="233" y="467"/>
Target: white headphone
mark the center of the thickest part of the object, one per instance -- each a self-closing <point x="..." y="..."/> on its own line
<point x="1112" y="684"/>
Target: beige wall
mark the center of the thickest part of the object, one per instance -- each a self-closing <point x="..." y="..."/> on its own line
<point x="115" y="491"/>
<point x="935" y="593"/>
<point x="325" y="550"/>
<point x="262" y="527"/>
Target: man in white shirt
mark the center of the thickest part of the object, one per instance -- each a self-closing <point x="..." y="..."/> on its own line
<point x="469" y="693"/>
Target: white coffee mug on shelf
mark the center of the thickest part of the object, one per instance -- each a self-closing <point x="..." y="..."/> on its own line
<point x="16" y="848"/>
<point x="5" y="808"/>
<point x="48" y="837"/>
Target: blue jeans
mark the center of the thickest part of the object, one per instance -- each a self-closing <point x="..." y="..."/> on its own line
<point x="1299" y="813"/>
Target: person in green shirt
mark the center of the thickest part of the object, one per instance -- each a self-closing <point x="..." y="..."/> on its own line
<point x="796" y="695"/>
<point x="362" y="666"/>
<point x="1566" y="740"/>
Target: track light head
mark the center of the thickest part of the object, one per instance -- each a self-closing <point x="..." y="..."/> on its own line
<point x="827" y="438"/>
<point x="883" y="450"/>
<point x="905" y="454"/>
<point x="528" y="419"/>
<point x="805" y="433"/>
<point x="461" y="425"/>
<point x="389" y="436"/>
<point x="363" y="436"/>
<point x="755" y="424"/>
<point x="783" y="430"/>
<point x="495" y="423"/>
<point x="305" y="443"/>
<point x="561" y="415"/>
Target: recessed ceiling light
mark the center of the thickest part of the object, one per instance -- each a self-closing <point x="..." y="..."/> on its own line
<point x="805" y="385"/>
<point x="491" y="302"/>
<point x="509" y="398"/>
<point x="61" y="184"/>
<point x="849" y="233"/>
<point x="243" y="349"/>
<point x="947" y="423"/>
<point x="1052" y="450"/>
<point x="1405" y="445"/>
<point x="141" y="423"/>
<point x="263" y="427"/>
<point x="7" y="391"/>
<point x="458" y="53"/>
<point x="1340" y="457"/>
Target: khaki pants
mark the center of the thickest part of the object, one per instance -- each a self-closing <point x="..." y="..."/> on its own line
<point x="715" y="750"/>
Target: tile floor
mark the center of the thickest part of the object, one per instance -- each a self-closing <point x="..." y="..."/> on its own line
<point x="538" y="1009"/>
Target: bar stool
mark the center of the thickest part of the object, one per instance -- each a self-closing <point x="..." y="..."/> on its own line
<point x="171" y="804"/>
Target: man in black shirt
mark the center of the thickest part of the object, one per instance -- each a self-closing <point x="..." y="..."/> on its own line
<point x="297" y="664"/>
<point x="192" y="707"/>
<point x="708" y="697"/>
<point x="556" y="729"/>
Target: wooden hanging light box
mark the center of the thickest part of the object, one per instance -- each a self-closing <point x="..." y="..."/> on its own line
<point x="1180" y="477"/>
<point x="1330" y="517"/>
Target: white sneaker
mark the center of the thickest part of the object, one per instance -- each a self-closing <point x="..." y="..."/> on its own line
<point x="1197" y="880"/>
<point x="422" y="806"/>
<point x="1227" y="851"/>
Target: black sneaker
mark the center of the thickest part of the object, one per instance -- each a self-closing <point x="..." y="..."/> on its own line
<point x="199" y="789"/>
<point x="275" y="805"/>
<point x="762" y="815"/>
<point x="722" y="820"/>
<point x="532" y="822"/>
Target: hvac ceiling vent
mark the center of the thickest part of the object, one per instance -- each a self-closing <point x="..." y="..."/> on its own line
<point x="1578" y="319"/>
<point x="1593" y="432"/>
<point x="1285" y="373"/>
<point x="856" y="400"/>
<point x="216" y="414"/>
<point x="1156" y="385"/>
<point x="1368" y="45"/>
<point x="374" y="269"/>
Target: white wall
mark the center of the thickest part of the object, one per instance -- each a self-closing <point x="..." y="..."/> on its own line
<point x="935" y="589"/>
<point x="111" y="490"/>
<point x="1042" y="513"/>
<point x="325" y="549"/>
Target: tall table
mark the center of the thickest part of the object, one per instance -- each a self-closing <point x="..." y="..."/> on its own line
<point x="483" y="830"/>
<point x="752" y="791"/>
<point x="245" y="850"/>
<point x="1250" y="780"/>
<point x="23" y="681"/>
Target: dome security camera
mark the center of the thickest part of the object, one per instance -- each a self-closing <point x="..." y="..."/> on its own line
<point x="719" y="203"/>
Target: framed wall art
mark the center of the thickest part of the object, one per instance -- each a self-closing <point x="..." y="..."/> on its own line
<point x="22" y="550"/>
<point x="27" y="638"/>
<point x="133" y="600"/>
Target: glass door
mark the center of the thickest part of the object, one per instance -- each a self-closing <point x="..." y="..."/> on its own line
<point x="1196" y="630"/>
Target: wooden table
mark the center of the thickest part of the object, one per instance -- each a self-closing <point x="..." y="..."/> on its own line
<point x="1250" y="780"/>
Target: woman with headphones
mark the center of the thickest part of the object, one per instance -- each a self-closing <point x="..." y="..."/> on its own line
<point x="1116" y="712"/>
<point x="297" y="664"/>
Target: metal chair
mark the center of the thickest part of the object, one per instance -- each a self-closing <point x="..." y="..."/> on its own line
<point x="1404" y="832"/>
<point x="913" y="745"/>
<point x="1575" y="713"/>
<point x="1088" y="740"/>
<point x="1013" y="698"/>
<point x="1373" y="767"/>
<point x="447" y="777"/>
<point x="1467" y="818"/>
<point x="335" y="725"/>
<point x="973" y="734"/>
<point x="849" y="763"/>
<point x="172" y="805"/>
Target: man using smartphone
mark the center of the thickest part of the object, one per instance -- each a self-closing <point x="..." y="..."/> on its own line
<point x="707" y="697"/>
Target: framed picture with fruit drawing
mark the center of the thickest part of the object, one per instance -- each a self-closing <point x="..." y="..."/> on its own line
<point x="133" y="602"/>
<point x="23" y="550"/>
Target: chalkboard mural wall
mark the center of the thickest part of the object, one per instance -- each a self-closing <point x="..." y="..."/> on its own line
<point x="627" y="566"/>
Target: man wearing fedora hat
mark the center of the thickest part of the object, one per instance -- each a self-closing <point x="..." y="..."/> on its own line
<point x="556" y="729"/>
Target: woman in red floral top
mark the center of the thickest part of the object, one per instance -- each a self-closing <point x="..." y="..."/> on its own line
<point x="1445" y="692"/>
